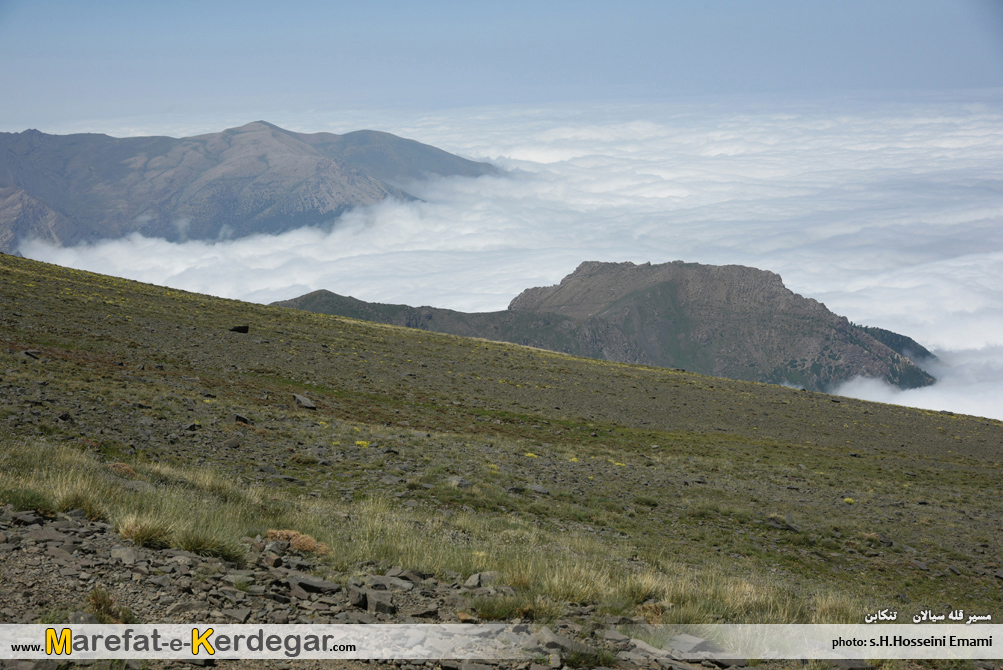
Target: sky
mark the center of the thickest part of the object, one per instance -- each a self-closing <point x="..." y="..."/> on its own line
<point x="855" y="148"/>
<point x="68" y="62"/>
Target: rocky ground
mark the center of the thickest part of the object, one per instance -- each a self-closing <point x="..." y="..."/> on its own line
<point x="52" y="565"/>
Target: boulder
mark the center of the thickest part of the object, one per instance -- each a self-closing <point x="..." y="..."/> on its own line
<point x="303" y="401"/>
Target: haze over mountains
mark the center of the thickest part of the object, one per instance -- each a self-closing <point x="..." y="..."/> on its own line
<point x="728" y="321"/>
<point x="258" y="178"/>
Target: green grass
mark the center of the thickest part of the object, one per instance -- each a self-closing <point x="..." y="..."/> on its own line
<point x="22" y="499"/>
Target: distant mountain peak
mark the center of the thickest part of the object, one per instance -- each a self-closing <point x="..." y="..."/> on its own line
<point x="254" y="178"/>
<point x="723" y="320"/>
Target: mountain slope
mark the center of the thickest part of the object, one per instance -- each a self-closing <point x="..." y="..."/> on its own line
<point x="467" y="455"/>
<point x="257" y="178"/>
<point x="726" y="321"/>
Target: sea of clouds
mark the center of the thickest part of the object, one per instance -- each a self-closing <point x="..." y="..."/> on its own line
<point x="889" y="209"/>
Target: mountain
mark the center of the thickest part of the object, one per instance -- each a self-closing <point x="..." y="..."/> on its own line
<point x="900" y="344"/>
<point x="727" y="321"/>
<point x="257" y="178"/>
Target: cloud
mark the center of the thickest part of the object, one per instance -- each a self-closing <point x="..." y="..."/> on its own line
<point x="888" y="210"/>
<point x="968" y="383"/>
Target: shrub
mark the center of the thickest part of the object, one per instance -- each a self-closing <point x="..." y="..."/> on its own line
<point x="145" y="532"/>
<point x="24" y="499"/>
<point x="204" y="544"/>
<point x="102" y="605"/>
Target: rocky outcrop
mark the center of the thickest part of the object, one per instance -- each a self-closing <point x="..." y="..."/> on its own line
<point x="727" y="321"/>
<point x="258" y="178"/>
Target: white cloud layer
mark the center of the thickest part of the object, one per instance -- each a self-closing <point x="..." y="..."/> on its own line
<point x="889" y="211"/>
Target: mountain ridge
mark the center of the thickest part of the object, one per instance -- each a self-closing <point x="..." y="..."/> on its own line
<point x="256" y="178"/>
<point x="727" y="321"/>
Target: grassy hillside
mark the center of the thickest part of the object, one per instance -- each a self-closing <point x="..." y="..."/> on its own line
<point x="683" y="496"/>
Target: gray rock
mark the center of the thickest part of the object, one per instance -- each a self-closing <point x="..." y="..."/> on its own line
<point x="409" y="575"/>
<point x="642" y="647"/>
<point x="357" y="597"/>
<point x="426" y="612"/>
<point x="633" y="658"/>
<point x="183" y="607"/>
<point x="672" y="664"/>
<point x="314" y="585"/>
<point x="551" y="640"/>
<point x="161" y="580"/>
<point x="479" y="579"/>
<point x="46" y="534"/>
<point x="303" y="401"/>
<point x="60" y="555"/>
<point x="782" y="524"/>
<point x="688" y="644"/>
<point x="27" y="518"/>
<point x="383" y="582"/>
<point x="277" y="547"/>
<point x="270" y="560"/>
<point x="379" y="602"/>
<point x="297" y="591"/>
<point x="458" y="482"/>
<point x="536" y="488"/>
<point x="239" y="615"/>
<point x="127" y="555"/>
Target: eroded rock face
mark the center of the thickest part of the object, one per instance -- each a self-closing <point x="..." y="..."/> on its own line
<point x="258" y="178"/>
<point x="727" y="321"/>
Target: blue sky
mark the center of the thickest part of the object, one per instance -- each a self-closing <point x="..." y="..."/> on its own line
<point x="63" y="61"/>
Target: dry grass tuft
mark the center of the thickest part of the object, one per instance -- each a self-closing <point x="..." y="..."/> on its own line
<point x="299" y="541"/>
<point x="146" y="532"/>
